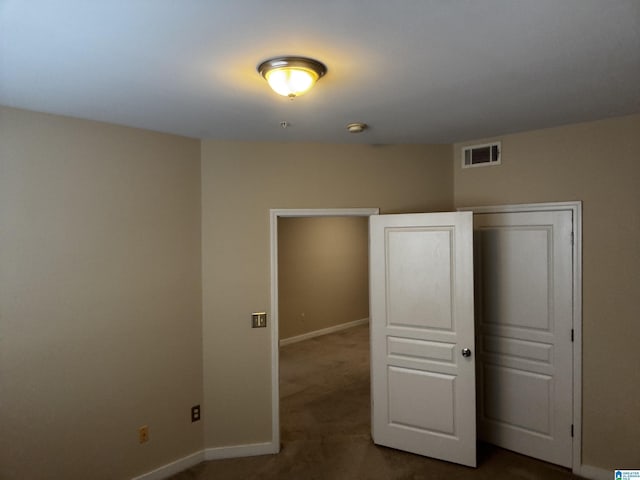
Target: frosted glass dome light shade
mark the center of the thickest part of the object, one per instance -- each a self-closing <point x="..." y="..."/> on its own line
<point x="291" y="76"/>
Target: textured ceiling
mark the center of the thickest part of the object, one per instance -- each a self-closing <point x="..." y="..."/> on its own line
<point x="417" y="71"/>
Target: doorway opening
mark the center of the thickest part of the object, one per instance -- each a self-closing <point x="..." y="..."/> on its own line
<point x="292" y="333"/>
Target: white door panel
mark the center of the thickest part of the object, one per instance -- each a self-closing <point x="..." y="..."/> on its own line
<point x="524" y="317"/>
<point x="509" y="386"/>
<point x="423" y="389"/>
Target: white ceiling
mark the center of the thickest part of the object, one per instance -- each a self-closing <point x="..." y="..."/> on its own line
<point x="417" y="71"/>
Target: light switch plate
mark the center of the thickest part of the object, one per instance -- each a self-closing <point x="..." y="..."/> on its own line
<point x="259" y="320"/>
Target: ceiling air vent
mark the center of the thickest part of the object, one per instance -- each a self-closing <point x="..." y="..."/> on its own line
<point x="481" y="155"/>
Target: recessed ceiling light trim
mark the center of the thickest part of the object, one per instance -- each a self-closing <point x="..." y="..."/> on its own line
<point x="291" y="76"/>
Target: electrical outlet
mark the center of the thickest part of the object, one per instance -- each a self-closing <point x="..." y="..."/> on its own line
<point x="195" y="413"/>
<point x="143" y="434"/>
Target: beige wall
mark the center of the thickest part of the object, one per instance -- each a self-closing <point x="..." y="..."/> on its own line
<point x="100" y="290"/>
<point x="598" y="163"/>
<point x="100" y="317"/>
<point x="323" y="273"/>
<point x="240" y="183"/>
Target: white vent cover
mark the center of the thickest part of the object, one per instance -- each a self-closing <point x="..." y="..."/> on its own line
<point x="481" y="155"/>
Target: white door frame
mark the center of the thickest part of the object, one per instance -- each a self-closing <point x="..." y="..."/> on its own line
<point x="576" y="209"/>
<point x="275" y="343"/>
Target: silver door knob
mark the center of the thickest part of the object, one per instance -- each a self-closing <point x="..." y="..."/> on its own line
<point x="466" y="352"/>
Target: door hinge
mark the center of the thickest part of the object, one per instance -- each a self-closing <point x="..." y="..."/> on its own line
<point x="572" y="430"/>
<point x="572" y="334"/>
<point x="572" y="238"/>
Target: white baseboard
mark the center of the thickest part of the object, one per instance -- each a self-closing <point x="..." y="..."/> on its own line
<point x="173" y="467"/>
<point x="250" y="450"/>
<point x="595" y="473"/>
<point x="324" y="331"/>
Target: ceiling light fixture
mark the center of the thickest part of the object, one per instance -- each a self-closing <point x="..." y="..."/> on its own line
<point x="291" y="76"/>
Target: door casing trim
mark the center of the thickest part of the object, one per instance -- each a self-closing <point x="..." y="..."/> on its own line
<point x="275" y="341"/>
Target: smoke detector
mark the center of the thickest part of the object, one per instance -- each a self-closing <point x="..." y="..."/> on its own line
<point x="357" y="127"/>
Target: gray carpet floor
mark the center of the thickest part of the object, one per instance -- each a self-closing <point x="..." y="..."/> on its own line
<point x="325" y="428"/>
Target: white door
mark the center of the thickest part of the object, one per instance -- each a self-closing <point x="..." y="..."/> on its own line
<point x="421" y="294"/>
<point x="524" y="285"/>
